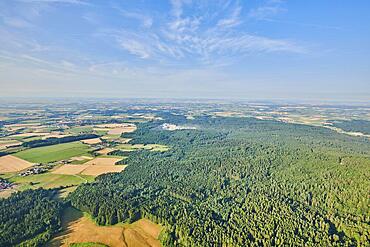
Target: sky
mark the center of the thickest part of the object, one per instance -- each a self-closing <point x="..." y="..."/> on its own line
<point x="246" y="49"/>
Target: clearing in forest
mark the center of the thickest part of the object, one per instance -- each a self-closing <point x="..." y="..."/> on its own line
<point x="77" y="228"/>
<point x="10" y="163"/>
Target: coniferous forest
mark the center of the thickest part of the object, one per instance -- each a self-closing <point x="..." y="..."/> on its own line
<point x="240" y="182"/>
<point x="29" y="218"/>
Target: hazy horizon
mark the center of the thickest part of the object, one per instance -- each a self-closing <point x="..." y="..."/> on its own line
<point x="183" y="49"/>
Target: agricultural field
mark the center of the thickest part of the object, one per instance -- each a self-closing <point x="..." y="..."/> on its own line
<point x="93" y="167"/>
<point x="150" y="147"/>
<point x="54" y="153"/>
<point x="47" y="180"/>
<point x="92" y="141"/>
<point x="4" y="144"/>
<point x="80" y="230"/>
<point x="228" y="171"/>
<point x="10" y="163"/>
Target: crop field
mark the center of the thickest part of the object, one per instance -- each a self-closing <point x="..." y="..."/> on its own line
<point x="80" y="130"/>
<point x="70" y="169"/>
<point x="10" y="163"/>
<point x="29" y="134"/>
<point x="48" y="181"/>
<point x="98" y="170"/>
<point x="79" y="228"/>
<point x="54" y="153"/>
<point x="105" y="151"/>
<point x="92" y="141"/>
<point x="93" y="167"/>
<point x="103" y="161"/>
<point x="151" y="147"/>
<point x="115" y="129"/>
<point x="8" y="143"/>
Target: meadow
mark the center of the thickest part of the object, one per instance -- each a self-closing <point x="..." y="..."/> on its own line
<point x="54" y="153"/>
<point x="48" y="181"/>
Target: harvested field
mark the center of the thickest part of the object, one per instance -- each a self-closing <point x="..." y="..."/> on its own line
<point x="29" y="134"/>
<point x="109" y="126"/>
<point x="54" y="136"/>
<point x="95" y="170"/>
<point x="80" y="158"/>
<point x="116" y="129"/>
<point x="103" y="161"/>
<point x="93" y="167"/>
<point x="105" y="151"/>
<point x="92" y="141"/>
<point x="128" y="128"/>
<point x="70" y="169"/>
<point x="6" y="144"/>
<point x="10" y="163"/>
<point x="81" y="229"/>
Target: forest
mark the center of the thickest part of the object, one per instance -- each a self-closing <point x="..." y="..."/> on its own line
<point x="29" y="218"/>
<point x="240" y="182"/>
<point x="54" y="140"/>
<point x="362" y="126"/>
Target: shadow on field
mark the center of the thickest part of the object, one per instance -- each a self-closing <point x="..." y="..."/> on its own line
<point x="70" y="215"/>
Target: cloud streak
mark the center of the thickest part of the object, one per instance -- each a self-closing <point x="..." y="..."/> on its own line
<point x="197" y="37"/>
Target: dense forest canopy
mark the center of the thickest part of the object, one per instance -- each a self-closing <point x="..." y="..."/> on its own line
<point x="29" y="217"/>
<point x="240" y="182"/>
<point x="362" y="126"/>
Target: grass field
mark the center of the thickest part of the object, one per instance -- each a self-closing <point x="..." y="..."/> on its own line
<point x="53" y="153"/>
<point x="151" y="147"/>
<point x="79" y="230"/>
<point x="48" y="181"/>
<point x="80" y="130"/>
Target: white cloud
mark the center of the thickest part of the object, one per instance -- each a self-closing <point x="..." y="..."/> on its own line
<point x="146" y="21"/>
<point x="270" y="9"/>
<point x="233" y="20"/>
<point x="16" y="22"/>
<point x="136" y="48"/>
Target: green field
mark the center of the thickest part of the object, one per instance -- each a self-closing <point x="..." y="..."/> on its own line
<point x="151" y="147"/>
<point x="54" y="153"/>
<point x="80" y="130"/>
<point x="48" y="181"/>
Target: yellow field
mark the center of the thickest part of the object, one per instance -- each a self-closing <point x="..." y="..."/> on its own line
<point x="10" y="163"/>
<point x="80" y="158"/>
<point x="29" y="134"/>
<point x="93" y="167"/>
<point x="70" y="169"/>
<point x="91" y="141"/>
<point x="54" y="135"/>
<point x="95" y="170"/>
<point x="80" y="229"/>
<point x="8" y="143"/>
<point x="103" y="161"/>
<point x="116" y="129"/>
<point x="105" y="151"/>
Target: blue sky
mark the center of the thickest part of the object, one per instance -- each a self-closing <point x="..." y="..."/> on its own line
<point x="265" y="49"/>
